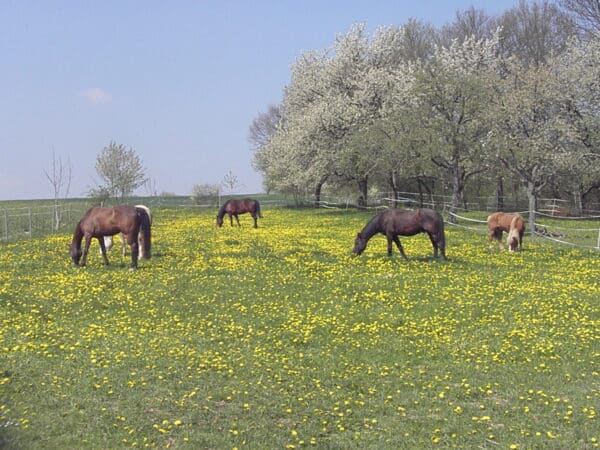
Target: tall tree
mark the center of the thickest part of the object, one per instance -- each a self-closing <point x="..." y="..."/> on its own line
<point x="578" y="73"/>
<point x="121" y="169"/>
<point x="455" y="89"/>
<point x="535" y="136"/>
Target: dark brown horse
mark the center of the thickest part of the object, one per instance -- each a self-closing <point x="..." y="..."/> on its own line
<point x="99" y="222"/>
<point x="395" y="222"/>
<point x="500" y="222"/>
<point x="234" y="207"/>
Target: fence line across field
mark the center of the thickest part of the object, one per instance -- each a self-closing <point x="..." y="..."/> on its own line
<point x="538" y="226"/>
<point x="29" y="221"/>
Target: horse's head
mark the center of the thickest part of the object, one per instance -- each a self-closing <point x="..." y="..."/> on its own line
<point x="513" y="240"/>
<point x="219" y="221"/>
<point x="360" y="243"/>
<point x="75" y="254"/>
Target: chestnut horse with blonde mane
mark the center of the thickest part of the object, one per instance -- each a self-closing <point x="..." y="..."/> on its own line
<point x="99" y="222"/>
<point x="512" y="224"/>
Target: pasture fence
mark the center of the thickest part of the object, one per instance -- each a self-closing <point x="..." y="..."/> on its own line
<point x="554" y="219"/>
<point x="35" y="221"/>
<point x="551" y="229"/>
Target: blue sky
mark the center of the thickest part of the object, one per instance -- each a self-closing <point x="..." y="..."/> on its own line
<point x="179" y="82"/>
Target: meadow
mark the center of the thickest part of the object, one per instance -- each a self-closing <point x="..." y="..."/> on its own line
<point x="278" y="337"/>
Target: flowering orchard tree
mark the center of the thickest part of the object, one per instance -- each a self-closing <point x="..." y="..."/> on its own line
<point x="545" y="122"/>
<point x="455" y="88"/>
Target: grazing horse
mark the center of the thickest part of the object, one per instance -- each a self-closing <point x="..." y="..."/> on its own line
<point x="500" y="222"/>
<point x="395" y="222"/>
<point x="108" y="240"/>
<point x="99" y="222"/>
<point x="513" y="239"/>
<point x="234" y="207"/>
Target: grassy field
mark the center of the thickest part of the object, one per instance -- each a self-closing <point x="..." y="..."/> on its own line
<point x="279" y="338"/>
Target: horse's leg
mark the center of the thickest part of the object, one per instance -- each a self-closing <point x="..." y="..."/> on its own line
<point x="396" y="239"/>
<point x="108" y="242"/>
<point x="231" y="219"/>
<point x="103" y="250"/>
<point x="237" y="218"/>
<point x="86" y="247"/>
<point x="491" y="238"/>
<point x="389" y="245"/>
<point x="520" y="241"/>
<point x="434" y="243"/>
<point x="123" y="244"/>
<point x="132" y="239"/>
<point x="499" y="238"/>
<point x="495" y="234"/>
<point x="255" y="221"/>
<point x="141" y="245"/>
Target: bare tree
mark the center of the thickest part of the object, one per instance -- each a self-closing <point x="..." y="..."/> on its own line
<point x="230" y="181"/>
<point x="150" y="185"/>
<point x="59" y="177"/>
<point x="535" y="31"/>
<point x="586" y="13"/>
<point x="263" y="127"/>
<point x="470" y="22"/>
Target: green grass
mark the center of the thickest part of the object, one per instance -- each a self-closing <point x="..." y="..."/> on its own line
<point x="279" y="338"/>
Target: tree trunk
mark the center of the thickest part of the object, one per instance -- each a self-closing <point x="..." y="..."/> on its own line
<point x="500" y="194"/>
<point x="394" y="185"/>
<point x="457" y="194"/>
<point x="363" y="186"/>
<point x="318" y="188"/>
<point x="532" y="198"/>
<point x="578" y="202"/>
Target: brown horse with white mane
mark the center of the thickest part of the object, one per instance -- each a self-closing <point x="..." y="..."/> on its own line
<point x="99" y="222"/>
<point x="108" y="240"/>
<point x="395" y="222"/>
<point x="234" y="207"/>
<point x="512" y="224"/>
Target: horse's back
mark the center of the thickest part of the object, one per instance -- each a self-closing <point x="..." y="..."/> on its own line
<point x="410" y="222"/>
<point x="503" y="221"/>
<point x="239" y="206"/>
<point x="108" y="221"/>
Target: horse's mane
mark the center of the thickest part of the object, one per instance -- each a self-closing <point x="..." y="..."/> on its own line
<point x="372" y="227"/>
<point x="221" y="212"/>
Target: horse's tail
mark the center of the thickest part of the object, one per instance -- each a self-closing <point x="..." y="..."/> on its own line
<point x="258" y="213"/>
<point x="145" y="231"/>
<point x="145" y="208"/>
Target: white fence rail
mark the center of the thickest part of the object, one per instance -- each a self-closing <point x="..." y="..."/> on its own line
<point x="34" y="221"/>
